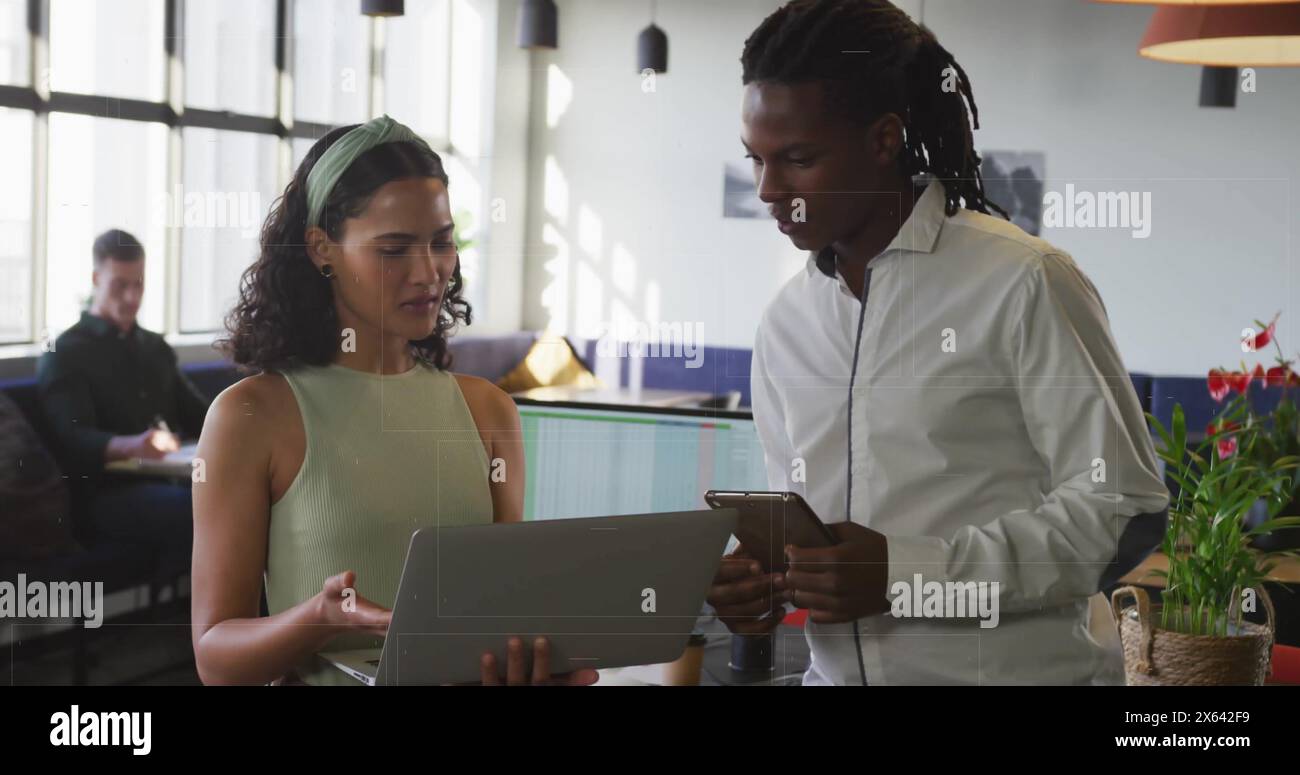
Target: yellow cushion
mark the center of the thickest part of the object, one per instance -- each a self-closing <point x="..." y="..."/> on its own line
<point x="550" y="361"/>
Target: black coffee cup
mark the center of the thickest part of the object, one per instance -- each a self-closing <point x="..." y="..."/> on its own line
<point x="752" y="653"/>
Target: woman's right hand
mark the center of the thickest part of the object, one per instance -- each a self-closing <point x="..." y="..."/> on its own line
<point x="742" y="593"/>
<point x="341" y="608"/>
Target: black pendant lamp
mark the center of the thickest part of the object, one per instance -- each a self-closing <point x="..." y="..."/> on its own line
<point x="1218" y="87"/>
<point x="538" y="24"/>
<point x="383" y="7"/>
<point x="652" y="47"/>
<point x="652" y="50"/>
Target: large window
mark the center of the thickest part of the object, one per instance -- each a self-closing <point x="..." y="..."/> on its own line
<point x="331" y="62"/>
<point x="173" y="120"/>
<point x="112" y="49"/>
<point x="229" y="182"/>
<point x="15" y="226"/>
<point x="416" y="67"/>
<point x="300" y="147"/>
<point x="14" y="42"/>
<point x="230" y="56"/>
<point x="104" y="173"/>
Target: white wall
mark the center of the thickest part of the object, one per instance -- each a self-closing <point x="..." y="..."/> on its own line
<point x="640" y="233"/>
<point x="633" y="222"/>
<point x="506" y="165"/>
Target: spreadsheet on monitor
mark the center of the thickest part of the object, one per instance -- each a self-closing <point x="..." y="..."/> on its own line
<point x="587" y="461"/>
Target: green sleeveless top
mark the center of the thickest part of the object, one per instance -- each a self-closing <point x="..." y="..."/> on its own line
<point x="386" y="455"/>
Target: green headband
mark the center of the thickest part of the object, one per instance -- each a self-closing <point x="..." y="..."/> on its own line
<point x="339" y="156"/>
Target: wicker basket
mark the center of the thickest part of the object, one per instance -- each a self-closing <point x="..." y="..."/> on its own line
<point x="1158" y="657"/>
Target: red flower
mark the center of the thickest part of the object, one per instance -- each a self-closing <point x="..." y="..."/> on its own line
<point x="1220" y="382"/>
<point x="1238" y="381"/>
<point x="1226" y="443"/>
<point x="1217" y="383"/>
<point x="1281" y="375"/>
<point x="1261" y="339"/>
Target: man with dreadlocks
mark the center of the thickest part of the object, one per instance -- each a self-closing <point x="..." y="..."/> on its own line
<point x="937" y="383"/>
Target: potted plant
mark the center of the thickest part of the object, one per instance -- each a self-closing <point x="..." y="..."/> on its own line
<point x="1198" y="634"/>
<point x="1280" y="428"/>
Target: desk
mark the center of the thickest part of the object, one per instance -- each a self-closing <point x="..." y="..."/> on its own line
<point x="176" y="464"/>
<point x="616" y="396"/>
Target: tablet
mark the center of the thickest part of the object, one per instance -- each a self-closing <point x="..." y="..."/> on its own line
<point x="769" y="521"/>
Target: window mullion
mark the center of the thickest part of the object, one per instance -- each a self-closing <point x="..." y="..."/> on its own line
<point x="284" y="85"/>
<point x="445" y="129"/>
<point x="378" y="42"/>
<point x="172" y="233"/>
<point x="38" y="25"/>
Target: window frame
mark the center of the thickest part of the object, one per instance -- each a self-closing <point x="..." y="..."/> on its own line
<point x="176" y="116"/>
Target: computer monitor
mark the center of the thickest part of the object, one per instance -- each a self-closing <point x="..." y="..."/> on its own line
<point x="590" y="460"/>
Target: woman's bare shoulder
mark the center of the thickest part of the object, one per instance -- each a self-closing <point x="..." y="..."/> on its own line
<point x="260" y="396"/>
<point x="491" y="406"/>
<point x="257" y="408"/>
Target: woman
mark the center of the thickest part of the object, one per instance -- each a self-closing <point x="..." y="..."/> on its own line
<point x="354" y="434"/>
<point x="939" y="384"/>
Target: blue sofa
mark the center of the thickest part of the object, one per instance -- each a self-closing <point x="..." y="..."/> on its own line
<point x="719" y="370"/>
<point x="1198" y="407"/>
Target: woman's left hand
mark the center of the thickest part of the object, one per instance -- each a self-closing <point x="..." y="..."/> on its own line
<point x="517" y="670"/>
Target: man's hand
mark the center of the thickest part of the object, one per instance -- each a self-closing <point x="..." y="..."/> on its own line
<point x="156" y="443"/>
<point x="741" y="593"/>
<point x="152" y="444"/>
<point x="840" y="583"/>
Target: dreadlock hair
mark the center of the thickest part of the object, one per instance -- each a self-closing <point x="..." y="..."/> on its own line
<point x="875" y="60"/>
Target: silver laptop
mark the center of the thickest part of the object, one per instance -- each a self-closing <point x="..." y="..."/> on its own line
<point x="606" y="592"/>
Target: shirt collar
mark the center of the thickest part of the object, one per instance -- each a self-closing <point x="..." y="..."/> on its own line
<point x="102" y="327"/>
<point x="919" y="232"/>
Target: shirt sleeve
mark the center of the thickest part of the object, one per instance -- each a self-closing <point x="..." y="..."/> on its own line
<point x="69" y="407"/>
<point x="1105" y="509"/>
<point x="769" y="419"/>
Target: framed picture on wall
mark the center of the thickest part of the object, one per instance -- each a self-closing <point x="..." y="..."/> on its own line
<point x="739" y="195"/>
<point x="1013" y="180"/>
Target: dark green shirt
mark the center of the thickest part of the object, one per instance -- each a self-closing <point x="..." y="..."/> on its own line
<point x="98" y="383"/>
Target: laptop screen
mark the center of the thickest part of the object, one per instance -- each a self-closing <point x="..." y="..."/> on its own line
<point x="589" y="460"/>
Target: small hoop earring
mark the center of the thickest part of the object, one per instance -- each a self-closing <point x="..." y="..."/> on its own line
<point x="327" y="271"/>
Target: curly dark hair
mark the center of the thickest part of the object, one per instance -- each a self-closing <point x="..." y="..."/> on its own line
<point x="874" y="60"/>
<point x="285" y="315"/>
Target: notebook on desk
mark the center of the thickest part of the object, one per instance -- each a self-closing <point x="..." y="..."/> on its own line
<point x="178" y="463"/>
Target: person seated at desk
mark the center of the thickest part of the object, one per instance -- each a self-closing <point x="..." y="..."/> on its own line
<point x="111" y="390"/>
<point x="354" y="435"/>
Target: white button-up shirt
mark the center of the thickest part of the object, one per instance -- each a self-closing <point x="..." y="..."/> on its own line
<point x="992" y="435"/>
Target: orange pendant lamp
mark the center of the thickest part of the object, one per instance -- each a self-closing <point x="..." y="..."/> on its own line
<point x="1242" y="34"/>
